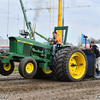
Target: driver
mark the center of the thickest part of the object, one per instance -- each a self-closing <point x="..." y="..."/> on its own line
<point x="56" y="40"/>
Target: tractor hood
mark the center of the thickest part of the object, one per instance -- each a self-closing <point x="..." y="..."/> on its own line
<point x="30" y="42"/>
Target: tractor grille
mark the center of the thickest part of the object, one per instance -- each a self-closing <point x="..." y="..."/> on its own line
<point x="26" y="50"/>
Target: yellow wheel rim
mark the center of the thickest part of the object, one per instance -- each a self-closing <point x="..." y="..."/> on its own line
<point x="29" y="68"/>
<point x="46" y="71"/>
<point x="6" y="66"/>
<point x="77" y="65"/>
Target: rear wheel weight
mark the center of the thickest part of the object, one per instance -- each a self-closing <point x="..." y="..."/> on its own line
<point x="70" y="65"/>
<point x="27" y="67"/>
<point x="47" y="71"/>
<point x="43" y="74"/>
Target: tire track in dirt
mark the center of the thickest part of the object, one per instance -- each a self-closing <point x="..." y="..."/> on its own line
<point x="39" y="89"/>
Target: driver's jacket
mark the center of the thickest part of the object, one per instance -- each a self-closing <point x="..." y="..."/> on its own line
<point x="59" y="40"/>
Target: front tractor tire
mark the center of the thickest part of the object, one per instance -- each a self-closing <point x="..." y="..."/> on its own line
<point x="6" y="68"/>
<point x="28" y="67"/>
<point x="70" y="64"/>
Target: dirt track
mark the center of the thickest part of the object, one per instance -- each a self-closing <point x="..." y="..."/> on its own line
<point x="14" y="87"/>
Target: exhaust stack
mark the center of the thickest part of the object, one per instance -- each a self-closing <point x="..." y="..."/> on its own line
<point x="34" y="26"/>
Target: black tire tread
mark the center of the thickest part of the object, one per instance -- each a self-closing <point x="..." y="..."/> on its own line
<point x="22" y="65"/>
<point x="6" y="73"/>
<point x="60" y="61"/>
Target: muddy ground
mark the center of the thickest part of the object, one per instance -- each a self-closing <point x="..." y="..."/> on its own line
<point x="14" y="87"/>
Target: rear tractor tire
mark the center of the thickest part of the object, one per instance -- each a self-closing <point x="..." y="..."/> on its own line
<point x="70" y="64"/>
<point x="28" y="67"/>
<point x="6" y="68"/>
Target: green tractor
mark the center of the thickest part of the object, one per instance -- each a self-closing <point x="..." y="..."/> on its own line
<point x="35" y="59"/>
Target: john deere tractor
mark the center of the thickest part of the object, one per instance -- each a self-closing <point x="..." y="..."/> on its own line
<point x="35" y="59"/>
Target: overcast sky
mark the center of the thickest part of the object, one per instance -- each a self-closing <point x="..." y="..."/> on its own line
<point x="84" y="20"/>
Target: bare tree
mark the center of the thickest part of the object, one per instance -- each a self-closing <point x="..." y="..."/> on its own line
<point x="93" y="39"/>
<point x="69" y="44"/>
<point x="79" y="42"/>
